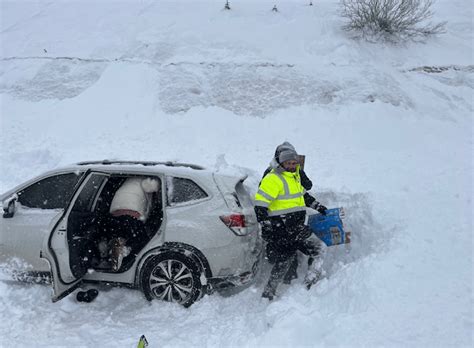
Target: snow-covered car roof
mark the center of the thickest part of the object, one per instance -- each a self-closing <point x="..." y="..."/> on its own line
<point x="168" y="167"/>
<point x="127" y="166"/>
<point x="141" y="163"/>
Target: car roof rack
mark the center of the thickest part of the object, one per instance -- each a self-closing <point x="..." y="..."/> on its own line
<point x="143" y="163"/>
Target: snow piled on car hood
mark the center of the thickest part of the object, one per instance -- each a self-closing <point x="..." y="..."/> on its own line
<point x="384" y="136"/>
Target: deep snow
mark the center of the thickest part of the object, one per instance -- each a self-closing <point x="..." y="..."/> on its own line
<point x="187" y="81"/>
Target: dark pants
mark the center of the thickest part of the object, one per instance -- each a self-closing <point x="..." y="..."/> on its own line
<point x="283" y="257"/>
<point x="287" y="235"/>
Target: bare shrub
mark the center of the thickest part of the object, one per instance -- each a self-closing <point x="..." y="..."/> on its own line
<point x="391" y="20"/>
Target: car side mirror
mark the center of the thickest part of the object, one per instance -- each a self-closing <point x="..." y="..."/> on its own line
<point x="9" y="207"/>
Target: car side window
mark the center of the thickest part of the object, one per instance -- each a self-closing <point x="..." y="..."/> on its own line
<point x="85" y="199"/>
<point x="179" y="190"/>
<point x="53" y="192"/>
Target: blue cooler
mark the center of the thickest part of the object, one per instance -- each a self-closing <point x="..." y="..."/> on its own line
<point x="329" y="228"/>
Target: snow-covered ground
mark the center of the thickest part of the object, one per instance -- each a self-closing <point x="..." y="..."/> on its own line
<point x="188" y="81"/>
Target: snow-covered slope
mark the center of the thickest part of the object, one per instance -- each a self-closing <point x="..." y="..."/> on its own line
<point x="188" y="81"/>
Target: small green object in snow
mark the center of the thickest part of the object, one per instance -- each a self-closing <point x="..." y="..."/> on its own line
<point x="142" y="343"/>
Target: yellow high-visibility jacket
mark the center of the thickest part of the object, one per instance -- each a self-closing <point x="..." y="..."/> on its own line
<point x="281" y="192"/>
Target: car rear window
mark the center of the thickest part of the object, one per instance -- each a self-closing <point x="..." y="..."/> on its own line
<point x="179" y="190"/>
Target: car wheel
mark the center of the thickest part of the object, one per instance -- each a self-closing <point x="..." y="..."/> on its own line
<point x="172" y="277"/>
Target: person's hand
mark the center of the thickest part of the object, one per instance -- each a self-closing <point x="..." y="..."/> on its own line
<point x="319" y="207"/>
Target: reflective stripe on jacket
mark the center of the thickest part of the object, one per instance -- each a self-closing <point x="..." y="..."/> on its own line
<point x="281" y="193"/>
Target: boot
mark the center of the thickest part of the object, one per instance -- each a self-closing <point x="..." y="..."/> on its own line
<point x="270" y="289"/>
<point x="268" y="294"/>
<point x="276" y="277"/>
<point x="315" y="272"/>
<point x="87" y="296"/>
<point x="312" y="278"/>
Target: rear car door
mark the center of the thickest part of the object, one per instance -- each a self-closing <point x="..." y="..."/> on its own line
<point x="65" y="262"/>
<point x="38" y="207"/>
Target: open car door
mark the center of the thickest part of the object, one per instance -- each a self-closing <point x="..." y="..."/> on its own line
<point x="63" y="249"/>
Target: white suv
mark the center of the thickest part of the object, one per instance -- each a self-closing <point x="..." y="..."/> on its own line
<point x="201" y="233"/>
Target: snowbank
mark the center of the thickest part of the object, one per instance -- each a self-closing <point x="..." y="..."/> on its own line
<point x="188" y="81"/>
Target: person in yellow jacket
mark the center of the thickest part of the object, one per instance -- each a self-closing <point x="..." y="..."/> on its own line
<point x="280" y="206"/>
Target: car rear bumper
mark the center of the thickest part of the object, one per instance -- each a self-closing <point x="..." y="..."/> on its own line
<point x="238" y="280"/>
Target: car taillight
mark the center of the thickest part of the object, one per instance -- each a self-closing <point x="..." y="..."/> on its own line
<point x="236" y="222"/>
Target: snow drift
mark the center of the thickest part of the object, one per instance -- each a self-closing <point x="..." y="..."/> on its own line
<point x="386" y="130"/>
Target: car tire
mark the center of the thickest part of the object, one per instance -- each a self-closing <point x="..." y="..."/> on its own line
<point x="173" y="277"/>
